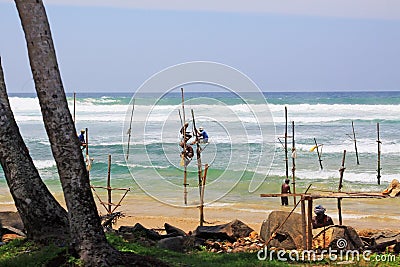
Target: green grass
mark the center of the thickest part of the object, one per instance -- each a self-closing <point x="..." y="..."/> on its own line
<point x="25" y="253"/>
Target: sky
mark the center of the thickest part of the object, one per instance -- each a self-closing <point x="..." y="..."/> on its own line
<point x="285" y="45"/>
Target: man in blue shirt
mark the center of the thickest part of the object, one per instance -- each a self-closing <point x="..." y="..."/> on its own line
<point x="203" y="135"/>
<point x="82" y="138"/>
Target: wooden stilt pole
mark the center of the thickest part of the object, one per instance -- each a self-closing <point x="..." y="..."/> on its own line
<point x="74" y="105"/>
<point x="87" y="141"/>
<point x="341" y="171"/>
<point x="184" y="151"/>
<point x="293" y="165"/>
<point x="303" y="222"/>
<point x="286" y="147"/>
<point x="203" y="185"/>
<point x="130" y="130"/>
<point x="378" y="176"/>
<point x="309" y="223"/>
<point x="319" y="155"/>
<point x="109" y="184"/>
<point x="198" y="153"/>
<point x="355" y="142"/>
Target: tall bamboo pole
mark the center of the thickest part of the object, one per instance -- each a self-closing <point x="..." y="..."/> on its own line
<point x="341" y="171"/>
<point x="319" y="155"/>
<point x="379" y="155"/>
<point x="303" y="222"/>
<point x="309" y="223"/>
<point x="203" y="185"/>
<point x="184" y="151"/>
<point x="286" y="148"/>
<point x="130" y="130"/>
<point x="109" y="184"/>
<point x="355" y="142"/>
<point x="198" y="154"/>
<point x="293" y="165"/>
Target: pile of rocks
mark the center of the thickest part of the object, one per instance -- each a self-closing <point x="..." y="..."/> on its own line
<point x="251" y="243"/>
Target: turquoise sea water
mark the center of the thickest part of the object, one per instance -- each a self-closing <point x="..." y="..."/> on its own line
<point x="245" y="155"/>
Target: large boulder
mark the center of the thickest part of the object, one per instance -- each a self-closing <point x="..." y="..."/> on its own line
<point x="289" y="235"/>
<point x="337" y="237"/>
<point x="380" y="241"/>
<point x="12" y="219"/>
<point x="11" y="226"/>
<point x="180" y="243"/>
<point x="129" y="232"/>
<point x="229" y="231"/>
<point x="173" y="231"/>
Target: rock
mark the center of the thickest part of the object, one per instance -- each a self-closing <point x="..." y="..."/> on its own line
<point x="382" y="240"/>
<point x="230" y="231"/>
<point x="172" y="230"/>
<point x="180" y="243"/>
<point x="337" y="237"/>
<point x="289" y="236"/>
<point x="139" y="231"/>
<point x="11" y="221"/>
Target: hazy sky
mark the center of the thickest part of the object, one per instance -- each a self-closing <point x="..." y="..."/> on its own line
<point x="285" y="45"/>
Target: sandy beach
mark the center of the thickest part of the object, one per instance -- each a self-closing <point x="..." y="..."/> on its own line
<point x="140" y="208"/>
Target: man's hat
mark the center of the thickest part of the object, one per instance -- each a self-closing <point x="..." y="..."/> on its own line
<point x="82" y="131"/>
<point x="319" y="209"/>
<point x="201" y="128"/>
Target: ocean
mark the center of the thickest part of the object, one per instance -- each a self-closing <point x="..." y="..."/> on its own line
<point x="245" y="154"/>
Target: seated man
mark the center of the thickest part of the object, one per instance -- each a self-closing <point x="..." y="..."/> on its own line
<point x="203" y="135"/>
<point x="321" y="219"/>
<point x="82" y="138"/>
<point x="185" y="134"/>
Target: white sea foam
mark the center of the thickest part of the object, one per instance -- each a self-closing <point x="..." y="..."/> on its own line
<point x="44" y="164"/>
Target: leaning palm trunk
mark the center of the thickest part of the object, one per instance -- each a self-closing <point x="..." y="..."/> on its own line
<point x="43" y="217"/>
<point x="87" y="236"/>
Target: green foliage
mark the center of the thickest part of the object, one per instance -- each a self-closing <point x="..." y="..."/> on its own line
<point x="195" y="258"/>
<point x="25" y="253"/>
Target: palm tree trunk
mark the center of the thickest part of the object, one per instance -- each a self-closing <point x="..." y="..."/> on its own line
<point x="87" y="236"/>
<point x="43" y="217"/>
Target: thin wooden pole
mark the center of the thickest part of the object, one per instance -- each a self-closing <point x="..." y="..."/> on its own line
<point x="379" y="155"/>
<point x="319" y="155"/>
<point x="184" y="151"/>
<point x="119" y="202"/>
<point x="198" y="154"/>
<point x="87" y="141"/>
<point x="109" y="184"/>
<point x="355" y="142"/>
<point x="291" y="212"/>
<point x="293" y="165"/>
<point x="130" y="130"/>
<point x="88" y="163"/>
<point x="286" y="147"/>
<point x="341" y="171"/>
<point x="303" y="222"/>
<point x="309" y="224"/>
<point x="203" y="185"/>
<point x="74" y="105"/>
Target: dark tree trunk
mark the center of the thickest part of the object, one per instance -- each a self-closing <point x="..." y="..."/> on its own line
<point x="43" y="217"/>
<point x="87" y="235"/>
